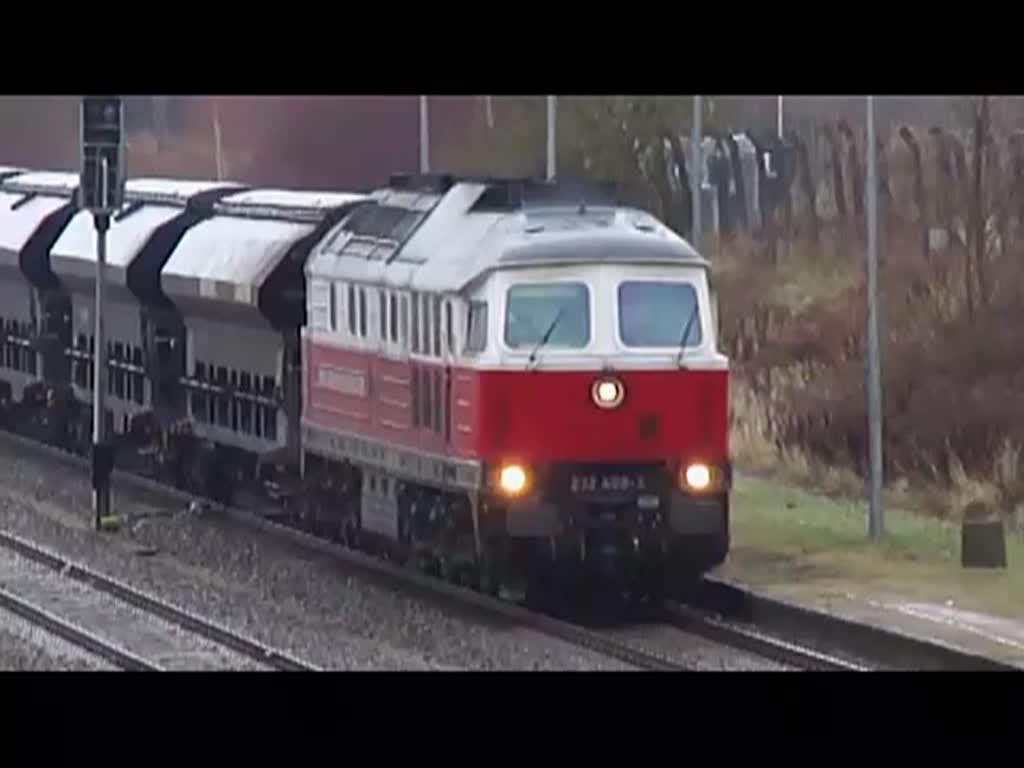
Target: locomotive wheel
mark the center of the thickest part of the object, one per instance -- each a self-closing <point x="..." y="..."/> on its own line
<point x="487" y="578"/>
<point x="350" y="534"/>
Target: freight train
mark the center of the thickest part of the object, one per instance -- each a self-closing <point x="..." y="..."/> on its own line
<point x="496" y="380"/>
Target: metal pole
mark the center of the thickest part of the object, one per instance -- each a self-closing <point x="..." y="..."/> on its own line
<point x="778" y="117"/>
<point x="490" y="111"/>
<point x="160" y="120"/>
<point x="696" y="175"/>
<point x="101" y="494"/>
<point x="875" y="521"/>
<point x="424" y="136"/>
<point x="552" y="107"/>
<point x="218" y="149"/>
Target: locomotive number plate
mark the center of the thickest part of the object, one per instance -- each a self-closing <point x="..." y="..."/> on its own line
<point x="588" y="483"/>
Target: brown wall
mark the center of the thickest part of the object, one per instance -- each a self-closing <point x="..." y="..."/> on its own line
<point x="333" y="142"/>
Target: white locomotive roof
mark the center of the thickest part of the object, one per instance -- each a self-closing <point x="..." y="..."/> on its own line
<point x="456" y="245"/>
<point x="340" y="255"/>
<point x="450" y="245"/>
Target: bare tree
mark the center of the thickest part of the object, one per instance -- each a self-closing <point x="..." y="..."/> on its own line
<point x="806" y="181"/>
<point x="920" y="199"/>
<point x="977" y="217"/>
<point x="856" y="172"/>
<point x="838" y="189"/>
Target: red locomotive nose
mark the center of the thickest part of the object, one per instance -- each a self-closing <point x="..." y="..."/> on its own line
<point x="552" y="416"/>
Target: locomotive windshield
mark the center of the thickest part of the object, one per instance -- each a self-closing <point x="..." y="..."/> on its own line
<point x="656" y="314"/>
<point x="532" y="308"/>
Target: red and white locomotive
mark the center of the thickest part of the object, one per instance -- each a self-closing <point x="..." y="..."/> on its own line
<point x="510" y="375"/>
<point x="491" y="377"/>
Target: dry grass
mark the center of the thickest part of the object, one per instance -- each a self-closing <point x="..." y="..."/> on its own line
<point x="794" y="327"/>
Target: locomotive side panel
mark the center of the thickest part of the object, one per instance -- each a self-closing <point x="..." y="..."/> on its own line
<point x="392" y="404"/>
<point x="337" y="388"/>
<point x="397" y="408"/>
<point x="466" y="413"/>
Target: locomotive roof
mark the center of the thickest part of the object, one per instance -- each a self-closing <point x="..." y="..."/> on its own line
<point x="480" y="226"/>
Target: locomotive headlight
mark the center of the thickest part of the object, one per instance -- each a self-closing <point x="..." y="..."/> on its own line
<point x="697" y="477"/>
<point x="512" y="479"/>
<point x="607" y="392"/>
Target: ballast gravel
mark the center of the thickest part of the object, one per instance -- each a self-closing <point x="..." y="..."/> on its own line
<point x="302" y="602"/>
<point x="114" y="622"/>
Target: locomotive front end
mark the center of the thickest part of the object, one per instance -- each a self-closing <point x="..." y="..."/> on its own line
<point x="638" y="490"/>
<point x="604" y="427"/>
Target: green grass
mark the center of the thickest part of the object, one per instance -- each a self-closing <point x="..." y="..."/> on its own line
<point x="792" y="539"/>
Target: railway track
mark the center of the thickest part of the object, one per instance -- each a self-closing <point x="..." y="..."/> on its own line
<point x="700" y="622"/>
<point x="73" y="633"/>
<point x="684" y="619"/>
<point x="102" y="601"/>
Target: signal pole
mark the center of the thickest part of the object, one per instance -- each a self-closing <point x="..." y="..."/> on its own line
<point x="424" y="136"/>
<point x="552" y="128"/>
<point x="101" y="191"/>
<point x="875" y="520"/>
<point x="101" y="488"/>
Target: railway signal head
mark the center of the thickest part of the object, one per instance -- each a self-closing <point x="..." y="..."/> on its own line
<point x="102" y="140"/>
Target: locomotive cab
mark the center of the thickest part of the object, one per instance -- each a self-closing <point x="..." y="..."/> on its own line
<point x="602" y="404"/>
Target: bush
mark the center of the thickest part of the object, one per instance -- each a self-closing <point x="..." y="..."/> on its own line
<point x="953" y="386"/>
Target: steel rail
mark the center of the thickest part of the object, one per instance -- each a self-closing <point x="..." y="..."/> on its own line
<point x="150" y="604"/>
<point x="74" y="634"/>
<point x="700" y="622"/>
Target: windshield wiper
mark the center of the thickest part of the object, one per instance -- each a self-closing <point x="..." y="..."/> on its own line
<point x="686" y="334"/>
<point x="544" y="339"/>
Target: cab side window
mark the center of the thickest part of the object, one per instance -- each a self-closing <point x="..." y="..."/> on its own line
<point x="476" y="327"/>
